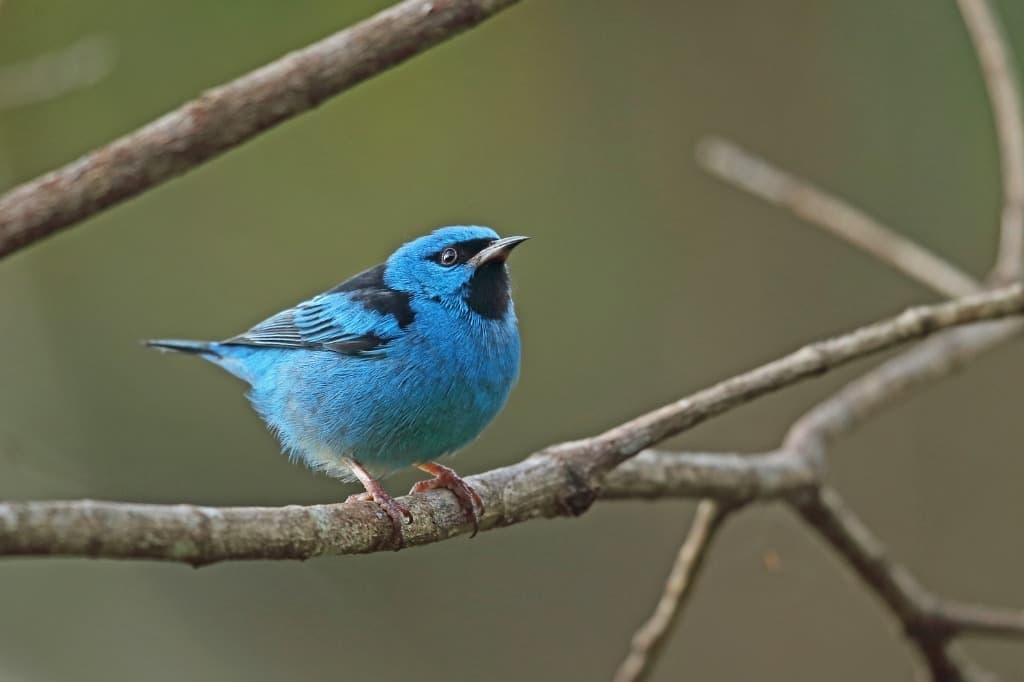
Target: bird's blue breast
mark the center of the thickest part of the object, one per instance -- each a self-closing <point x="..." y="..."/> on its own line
<point x="431" y="389"/>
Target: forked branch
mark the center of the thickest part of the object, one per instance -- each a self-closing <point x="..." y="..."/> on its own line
<point x="561" y="480"/>
<point x="929" y="622"/>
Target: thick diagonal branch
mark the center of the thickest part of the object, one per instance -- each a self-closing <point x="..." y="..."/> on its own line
<point x="229" y="115"/>
<point x="618" y="444"/>
<point x="893" y="380"/>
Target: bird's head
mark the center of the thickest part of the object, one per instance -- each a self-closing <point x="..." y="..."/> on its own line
<point x="460" y="266"/>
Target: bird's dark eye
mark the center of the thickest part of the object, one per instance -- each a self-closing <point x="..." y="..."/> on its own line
<point x="449" y="256"/>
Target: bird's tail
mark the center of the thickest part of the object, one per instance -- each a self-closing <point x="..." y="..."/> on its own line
<point x="230" y="358"/>
<point x="206" y="348"/>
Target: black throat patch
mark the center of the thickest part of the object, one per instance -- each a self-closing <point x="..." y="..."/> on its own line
<point x="489" y="294"/>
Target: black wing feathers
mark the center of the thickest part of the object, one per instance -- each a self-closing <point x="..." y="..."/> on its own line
<point x="358" y="317"/>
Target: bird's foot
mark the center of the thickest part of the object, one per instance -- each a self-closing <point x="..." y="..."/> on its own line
<point x="396" y="511"/>
<point x="449" y="480"/>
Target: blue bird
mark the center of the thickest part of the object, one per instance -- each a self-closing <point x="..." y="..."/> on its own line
<point x="400" y="365"/>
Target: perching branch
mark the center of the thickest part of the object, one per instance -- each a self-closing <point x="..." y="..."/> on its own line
<point x="561" y="480"/>
<point x="649" y="639"/>
<point x="229" y="115"/>
<point x="543" y="485"/>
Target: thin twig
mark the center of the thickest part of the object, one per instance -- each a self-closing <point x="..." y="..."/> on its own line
<point x="649" y="639"/>
<point x="561" y="480"/>
<point x="229" y="115"/>
<point x="996" y="60"/>
<point x="731" y="163"/>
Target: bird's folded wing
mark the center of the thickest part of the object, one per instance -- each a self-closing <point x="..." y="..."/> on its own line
<point x="335" y="321"/>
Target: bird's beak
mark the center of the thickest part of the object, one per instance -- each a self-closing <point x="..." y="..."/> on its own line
<point x="496" y="252"/>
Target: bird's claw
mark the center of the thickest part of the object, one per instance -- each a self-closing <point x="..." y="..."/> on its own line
<point x="447" y="479"/>
<point x="396" y="511"/>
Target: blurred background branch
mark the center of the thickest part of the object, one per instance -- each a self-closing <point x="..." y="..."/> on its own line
<point x="996" y="61"/>
<point x="54" y="74"/>
<point x="229" y="115"/>
<point x="730" y="162"/>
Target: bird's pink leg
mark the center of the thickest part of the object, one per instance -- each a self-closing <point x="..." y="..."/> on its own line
<point x="449" y="480"/>
<point x="375" y="492"/>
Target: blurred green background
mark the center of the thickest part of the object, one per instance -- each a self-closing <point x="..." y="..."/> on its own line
<point x="574" y="123"/>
